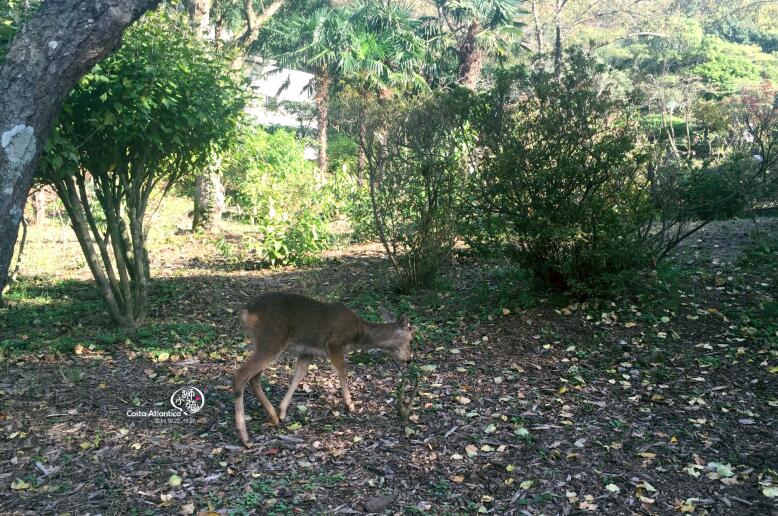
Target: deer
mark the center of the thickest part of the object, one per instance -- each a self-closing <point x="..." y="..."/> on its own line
<point x="278" y="322"/>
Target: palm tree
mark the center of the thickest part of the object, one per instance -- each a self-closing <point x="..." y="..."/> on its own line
<point x="315" y="42"/>
<point x="393" y="53"/>
<point x="371" y="44"/>
<point x="480" y="28"/>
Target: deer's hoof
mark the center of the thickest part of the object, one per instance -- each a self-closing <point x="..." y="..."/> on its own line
<point x="248" y="444"/>
<point x="350" y="407"/>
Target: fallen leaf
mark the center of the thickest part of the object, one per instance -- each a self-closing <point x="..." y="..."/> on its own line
<point x="174" y="481"/>
<point x="19" y="485"/>
<point x="379" y="503"/>
<point x="612" y="488"/>
<point x="770" y="491"/>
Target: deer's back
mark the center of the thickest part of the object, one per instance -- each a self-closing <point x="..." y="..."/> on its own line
<point x="301" y="325"/>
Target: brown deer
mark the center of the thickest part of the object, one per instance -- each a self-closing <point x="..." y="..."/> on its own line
<point x="306" y="328"/>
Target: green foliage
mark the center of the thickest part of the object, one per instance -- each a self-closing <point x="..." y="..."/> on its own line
<point x="375" y="44"/>
<point x="746" y="32"/>
<point x="358" y="209"/>
<point x="729" y="66"/>
<point x="560" y="176"/>
<point x="714" y="192"/>
<point x="13" y="14"/>
<point x="342" y="152"/>
<point x="148" y="115"/>
<point x="415" y="155"/>
<point x="268" y="178"/>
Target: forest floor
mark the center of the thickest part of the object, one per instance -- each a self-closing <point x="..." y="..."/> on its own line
<point x="661" y="403"/>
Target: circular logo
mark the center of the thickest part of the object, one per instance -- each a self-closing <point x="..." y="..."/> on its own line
<point x="189" y="400"/>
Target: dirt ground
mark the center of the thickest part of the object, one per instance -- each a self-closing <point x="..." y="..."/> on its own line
<point x="655" y="406"/>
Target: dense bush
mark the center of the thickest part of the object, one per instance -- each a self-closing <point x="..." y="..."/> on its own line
<point x="274" y="187"/>
<point x="415" y="162"/>
<point x="146" y="117"/>
<point x="560" y="176"/>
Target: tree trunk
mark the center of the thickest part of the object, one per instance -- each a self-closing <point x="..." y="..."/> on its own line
<point x="322" y="111"/>
<point x="209" y="202"/>
<point x="538" y="29"/>
<point x="560" y="5"/>
<point x="470" y="58"/>
<point x="208" y="208"/>
<point x="361" y="156"/>
<point x="39" y="201"/>
<point x="20" y="255"/>
<point x="209" y="191"/>
<point x="53" y="50"/>
<point x="200" y="17"/>
<point x="254" y="22"/>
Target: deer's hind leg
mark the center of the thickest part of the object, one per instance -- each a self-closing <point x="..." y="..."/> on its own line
<point x="300" y="370"/>
<point x="250" y="371"/>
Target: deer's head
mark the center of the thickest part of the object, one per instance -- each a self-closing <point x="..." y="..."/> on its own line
<point x="400" y="341"/>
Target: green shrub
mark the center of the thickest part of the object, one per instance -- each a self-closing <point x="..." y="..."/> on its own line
<point x="415" y="162"/>
<point x="141" y="120"/>
<point x="560" y="177"/>
<point x="272" y="185"/>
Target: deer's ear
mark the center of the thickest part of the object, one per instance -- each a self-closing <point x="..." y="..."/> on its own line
<point x="403" y="322"/>
<point x="386" y="315"/>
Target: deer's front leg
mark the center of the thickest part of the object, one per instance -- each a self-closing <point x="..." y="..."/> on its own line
<point x="339" y="364"/>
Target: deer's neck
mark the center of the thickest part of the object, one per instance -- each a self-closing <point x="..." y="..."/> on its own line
<point x="377" y="336"/>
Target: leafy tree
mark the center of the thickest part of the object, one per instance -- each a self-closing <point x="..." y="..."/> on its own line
<point x="480" y="29"/>
<point x="561" y="168"/>
<point x="727" y="67"/>
<point x="371" y="44"/>
<point x="415" y="164"/>
<point x="236" y="25"/>
<point x="145" y="117"/>
<point x="55" y="47"/>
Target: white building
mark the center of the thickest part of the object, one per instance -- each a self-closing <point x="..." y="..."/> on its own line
<point x="273" y="86"/>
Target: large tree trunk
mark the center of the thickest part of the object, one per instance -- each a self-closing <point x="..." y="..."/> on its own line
<point x="53" y="50"/>
<point x="209" y="202"/>
<point x="322" y="111"/>
<point x="209" y="192"/>
<point x="200" y="16"/>
<point x="470" y="58"/>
